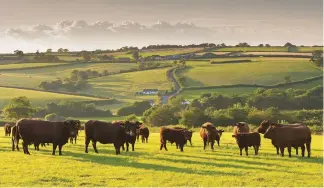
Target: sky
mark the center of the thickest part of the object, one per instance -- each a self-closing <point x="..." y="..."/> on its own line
<point x="31" y="25"/>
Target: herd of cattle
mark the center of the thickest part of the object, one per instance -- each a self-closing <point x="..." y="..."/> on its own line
<point x="119" y="133"/>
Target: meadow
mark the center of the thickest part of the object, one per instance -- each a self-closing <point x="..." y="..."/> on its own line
<point x="265" y="71"/>
<point x="27" y="65"/>
<point x="171" y="51"/>
<point x="148" y="166"/>
<point x="38" y="98"/>
<point x="266" y="49"/>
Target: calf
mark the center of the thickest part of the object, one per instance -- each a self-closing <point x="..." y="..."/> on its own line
<point x="246" y="140"/>
<point x="144" y="132"/>
<point x="74" y="136"/>
<point x="209" y="134"/>
<point x="130" y="137"/>
<point x="172" y="135"/>
<point x="7" y="129"/>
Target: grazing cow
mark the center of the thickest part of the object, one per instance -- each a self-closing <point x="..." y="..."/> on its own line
<point x="209" y="134"/>
<point x="187" y="133"/>
<point x="172" y="135"/>
<point x="130" y="137"/>
<point x="104" y="133"/>
<point x="39" y="131"/>
<point x="241" y="127"/>
<point x="144" y="132"/>
<point x="246" y="140"/>
<point x="76" y="133"/>
<point x="265" y="124"/>
<point x="7" y="129"/>
<point x="285" y="136"/>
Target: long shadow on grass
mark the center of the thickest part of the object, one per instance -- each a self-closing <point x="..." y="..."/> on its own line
<point x="121" y="161"/>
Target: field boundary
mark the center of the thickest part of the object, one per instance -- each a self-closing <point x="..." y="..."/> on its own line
<point x="255" y="85"/>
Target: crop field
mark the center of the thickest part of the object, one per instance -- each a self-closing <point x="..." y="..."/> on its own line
<point x="31" y="78"/>
<point x="266" y="71"/>
<point x="27" y="65"/>
<point x="171" y="51"/>
<point x="37" y="98"/>
<point x="266" y="49"/>
<point x="148" y="166"/>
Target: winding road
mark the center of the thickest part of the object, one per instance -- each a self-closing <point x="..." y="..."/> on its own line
<point x="176" y="85"/>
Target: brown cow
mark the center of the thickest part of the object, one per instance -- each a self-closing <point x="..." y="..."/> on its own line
<point x="187" y="133"/>
<point x="144" y="132"/>
<point x="39" y="131"/>
<point x="265" y="125"/>
<point x="285" y="136"/>
<point x="130" y="137"/>
<point x="104" y="133"/>
<point x="241" y="127"/>
<point x="209" y="134"/>
<point x="7" y="129"/>
<point x="246" y="140"/>
<point x="172" y="135"/>
<point x="138" y="130"/>
<point x="76" y="133"/>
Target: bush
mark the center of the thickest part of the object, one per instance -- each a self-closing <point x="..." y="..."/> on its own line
<point x="54" y="117"/>
<point x="162" y="115"/>
<point x="137" y="108"/>
<point x="193" y="117"/>
<point x="131" y="117"/>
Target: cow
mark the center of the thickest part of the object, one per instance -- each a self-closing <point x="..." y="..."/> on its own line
<point x="209" y="134"/>
<point x="172" y="135"/>
<point x="40" y="131"/>
<point x="104" y="133"/>
<point x="285" y="136"/>
<point x="130" y="137"/>
<point x="74" y="137"/>
<point x="138" y="131"/>
<point x="144" y="132"/>
<point x="241" y="127"/>
<point x="7" y="129"/>
<point x="246" y="140"/>
<point x="265" y="125"/>
<point x="187" y="133"/>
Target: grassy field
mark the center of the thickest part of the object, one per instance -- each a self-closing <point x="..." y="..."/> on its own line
<point x="148" y="166"/>
<point x="266" y="49"/>
<point x="27" y="65"/>
<point x="37" y="75"/>
<point x="266" y="71"/>
<point x="165" y="52"/>
<point x="37" y="98"/>
<point x="194" y="94"/>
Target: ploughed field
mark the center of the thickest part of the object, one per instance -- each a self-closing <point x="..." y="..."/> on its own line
<point x="148" y="166"/>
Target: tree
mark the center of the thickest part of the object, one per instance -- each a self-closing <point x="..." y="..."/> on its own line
<point x="49" y="50"/>
<point x="86" y="55"/>
<point x="260" y="45"/>
<point x="19" y="53"/>
<point x="136" y="55"/>
<point x="288" y="44"/>
<point x="162" y="115"/>
<point x="267" y="45"/>
<point x="60" y="50"/>
<point x="18" y="107"/>
<point x="317" y="58"/>
<point x="292" y="48"/>
<point x="66" y="50"/>
<point x="287" y="79"/>
<point x="131" y="117"/>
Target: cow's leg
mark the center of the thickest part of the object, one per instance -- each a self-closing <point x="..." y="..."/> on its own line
<point x="282" y="151"/>
<point x="26" y="148"/>
<point x="218" y="142"/>
<point x="17" y="147"/>
<point x="143" y="139"/>
<point x="54" y="148"/>
<point x="147" y="139"/>
<point x="303" y="150"/>
<point x="133" y="146"/>
<point x="190" y="142"/>
<point x="13" y="144"/>
<point x="60" y="149"/>
<point x="277" y="147"/>
<point x="94" y="145"/>
<point x="308" y="147"/>
<point x="258" y="147"/>
<point x="127" y="146"/>
<point x="296" y="150"/>
<point x="246" y="150"/>
<point x="164" y="144"/>
<point x="181" y="147"/>
<point x="289" y="151"/>
<point x="75" y="138"/>
<point x="255" y="151"/>
<point x="87" y="141"/>
<point x="212" y="145"/>
<point x="205" y="143"/>
<point x="116" y="148"/>
<point x="177" y="145"/>
<point x="123" y="147"/>
<point x="241" y="151"/>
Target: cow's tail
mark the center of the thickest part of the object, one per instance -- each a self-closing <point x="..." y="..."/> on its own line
<point x="17" y="135"/>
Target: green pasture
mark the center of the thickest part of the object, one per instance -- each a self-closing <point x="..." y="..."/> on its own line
<point x="266" y="71"/>
<point x="148" y="166"/>
<point x="37" y="98"/>
<point x="165" y="52"/>
<point x="27" y="65"/>
<point x="266" y="49"/>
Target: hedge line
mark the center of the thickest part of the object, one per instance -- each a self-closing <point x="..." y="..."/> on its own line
<point x="233" y="61"/>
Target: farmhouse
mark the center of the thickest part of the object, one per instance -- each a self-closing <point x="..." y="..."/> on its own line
<point x="148" y="92"/>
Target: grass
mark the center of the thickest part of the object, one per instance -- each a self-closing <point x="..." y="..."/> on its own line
<point x="266" y="49"/>
<point x="37" y="98"/>
<point x="148" y="166"/>
<point x="27" y="65"/>
<point x="165" y="52"/>
<point x="266" y="71"/>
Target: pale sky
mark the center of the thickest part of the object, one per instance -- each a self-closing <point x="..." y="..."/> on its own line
<point x="106" y="24"/>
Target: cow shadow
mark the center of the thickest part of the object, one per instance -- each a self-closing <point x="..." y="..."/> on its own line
<point x="122" y="161"/>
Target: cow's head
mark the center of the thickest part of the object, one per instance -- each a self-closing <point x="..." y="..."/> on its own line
<point x="220" y="132"/>
<point x="131" y="128"/>
<point x="269" y="132"/>
<point x="73" y="126"/>
<point x="263" y="126"/>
